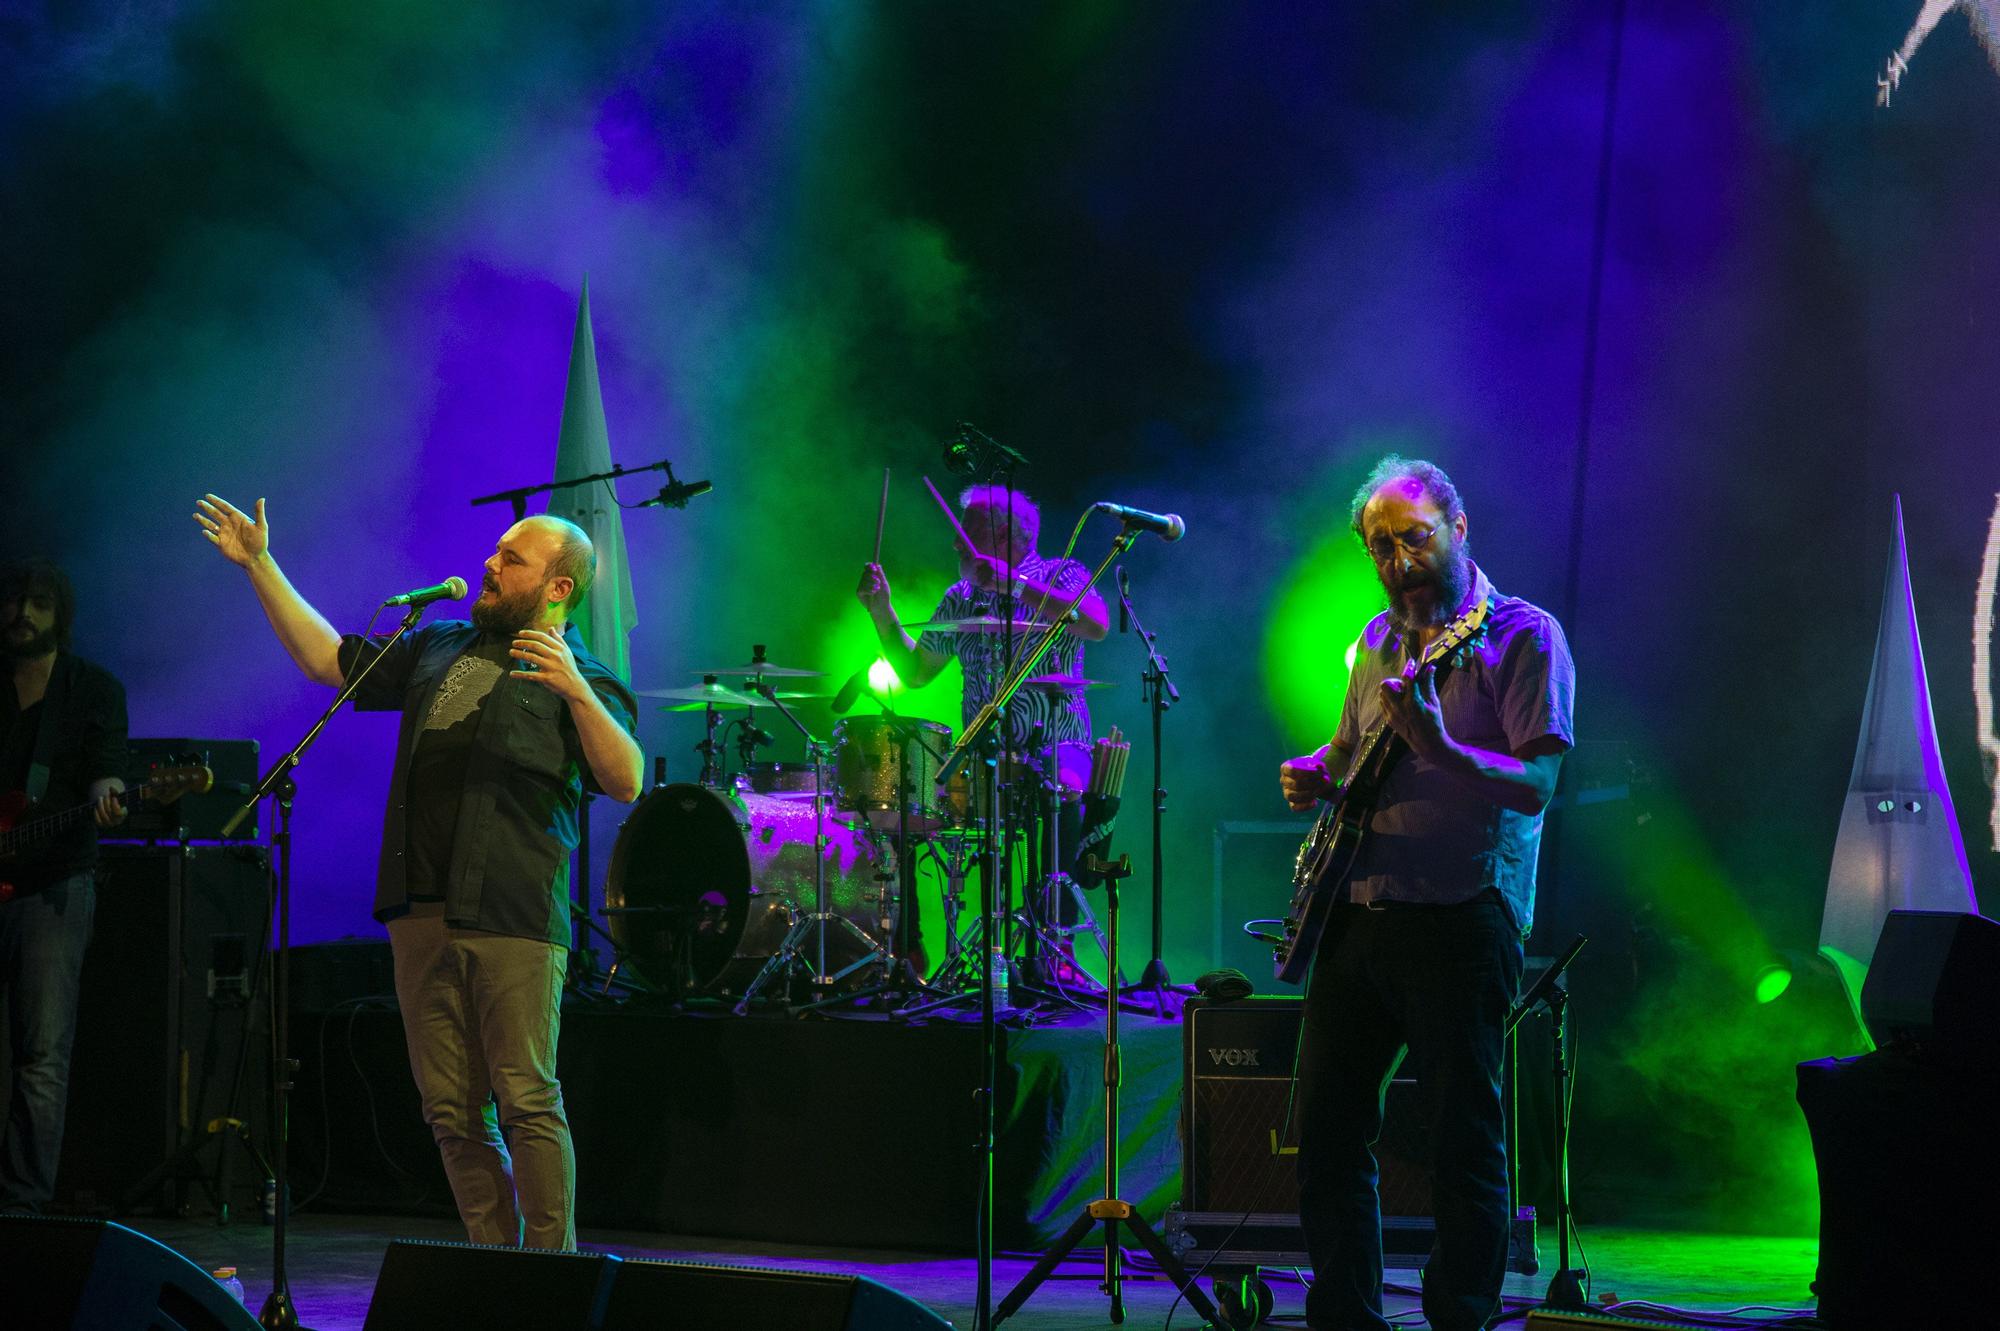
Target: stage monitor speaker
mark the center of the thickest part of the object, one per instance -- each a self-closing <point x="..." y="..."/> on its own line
<point x="1934" y="985"/>
<point x="428" y="1286"/>
<point x="90" y="1275"/>
<point x="666" y="1296"/>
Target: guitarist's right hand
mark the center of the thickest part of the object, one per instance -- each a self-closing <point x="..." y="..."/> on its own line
<point x="241" y="540"/>
<point x="1303" y="781"/>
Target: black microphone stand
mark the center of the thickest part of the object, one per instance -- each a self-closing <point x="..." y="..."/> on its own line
<point x="1160" y="694"/>
<point x="982" y="736"/>
<point x="520" y="495"/>
<point x="1566" y="1289"/>
<point x="278" y="1312"/>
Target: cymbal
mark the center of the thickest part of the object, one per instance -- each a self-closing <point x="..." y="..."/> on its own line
<point x="979" y="624"/>
<point x="715" y="695"/>
<point x="754" y="668"/>
<point x="1066" y="682"/>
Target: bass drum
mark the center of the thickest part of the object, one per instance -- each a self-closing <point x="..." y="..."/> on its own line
<point x="704" y="885"/>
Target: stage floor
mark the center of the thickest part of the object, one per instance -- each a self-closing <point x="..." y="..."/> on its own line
<point x="333" y="1261"/>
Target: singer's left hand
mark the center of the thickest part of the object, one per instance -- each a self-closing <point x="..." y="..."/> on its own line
<point x="554" y="665"/>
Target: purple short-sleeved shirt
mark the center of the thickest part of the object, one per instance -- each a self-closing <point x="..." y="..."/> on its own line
<point x="1431" y="840"/>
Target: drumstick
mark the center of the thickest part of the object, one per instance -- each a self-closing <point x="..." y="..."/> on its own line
<point x="950" y="516"/>
<point x="881" y="513"/>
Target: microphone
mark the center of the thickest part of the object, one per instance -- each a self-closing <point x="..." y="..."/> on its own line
<point x="675" y="494"/>
<point x="851" y="690"/>
<point x="1166" y="526"/>
<point x="451" y="589"/>
<point x="1124" y="601"/>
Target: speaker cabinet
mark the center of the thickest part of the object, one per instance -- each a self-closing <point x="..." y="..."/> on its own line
<point x="653" y="1294"/>
<point x="425" y="1286"/>
<point x="89" y="1275"/>
<point x="172" y="1030"/>
<point x="1240" y="1142"/>
<point x="1934" y="986"/>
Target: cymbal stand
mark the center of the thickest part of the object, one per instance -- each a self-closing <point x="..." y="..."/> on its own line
<point x="899" y="979"/>
<point x="791" y="950"/>
<point x="711" y="763"/>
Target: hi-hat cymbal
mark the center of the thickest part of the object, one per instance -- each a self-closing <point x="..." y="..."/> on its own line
<point x="978" y="624"/>
<point x="753" y="668"/>
<point x="1066" y="682"/>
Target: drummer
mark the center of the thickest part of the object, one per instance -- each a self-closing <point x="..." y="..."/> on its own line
<point x="1003" y="525"/>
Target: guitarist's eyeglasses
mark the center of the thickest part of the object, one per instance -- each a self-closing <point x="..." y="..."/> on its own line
<point x="1383" y="548"/>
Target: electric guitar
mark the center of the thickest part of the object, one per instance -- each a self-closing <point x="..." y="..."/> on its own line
<point x="1329" y="852"/>
<point x="163" y="785"/>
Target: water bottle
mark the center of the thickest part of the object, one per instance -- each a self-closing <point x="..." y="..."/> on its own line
<point x="996" y="961"/>
<point x="269" y="1199"/>
<point x="225" y="1276"/>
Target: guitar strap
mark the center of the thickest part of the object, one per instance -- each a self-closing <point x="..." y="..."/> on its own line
<point x="45" y="736"/>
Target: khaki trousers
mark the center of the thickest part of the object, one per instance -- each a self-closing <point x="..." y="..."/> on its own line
<point x="481" y="1012"/>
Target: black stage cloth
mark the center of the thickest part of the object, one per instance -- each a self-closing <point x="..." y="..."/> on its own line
<point x="851" y="1132"/>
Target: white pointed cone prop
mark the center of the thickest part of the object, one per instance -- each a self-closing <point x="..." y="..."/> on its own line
<point x="607" y="612"/>
<point x="1899" y="846"/>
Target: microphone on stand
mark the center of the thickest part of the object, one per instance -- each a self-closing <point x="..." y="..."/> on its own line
<point x="675" y="494"/>
<point x="851" y="690"/>
<point x="451" y="589"/>
<point x="1166" y="526"/>
<point x="1124" y="601"/>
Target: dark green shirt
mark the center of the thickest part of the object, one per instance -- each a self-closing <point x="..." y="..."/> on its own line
<point x="524" y="779"/>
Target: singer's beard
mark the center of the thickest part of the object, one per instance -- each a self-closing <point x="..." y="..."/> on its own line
<point x="1449" y="585"/>
<point x="508" y="614"/>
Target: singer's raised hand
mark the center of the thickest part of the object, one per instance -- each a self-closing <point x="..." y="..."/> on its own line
<point x="241" y="539"/>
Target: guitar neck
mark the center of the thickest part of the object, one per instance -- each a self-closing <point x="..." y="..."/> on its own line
<point x="47" y="825"/>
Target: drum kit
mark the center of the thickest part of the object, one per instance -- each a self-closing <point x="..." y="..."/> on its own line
<point x="762" y="876"/>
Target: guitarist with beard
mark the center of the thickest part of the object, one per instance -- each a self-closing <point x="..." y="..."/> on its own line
<point x="62" y="743"/>
<point x="1421" y="953"/>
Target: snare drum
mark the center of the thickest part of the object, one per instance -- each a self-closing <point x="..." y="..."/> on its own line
<point x="874" y="758"/>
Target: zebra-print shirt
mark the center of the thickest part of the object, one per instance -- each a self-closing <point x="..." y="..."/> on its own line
<point x="1062" y="714"/>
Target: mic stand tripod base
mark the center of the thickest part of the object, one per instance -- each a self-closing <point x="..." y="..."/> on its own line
<point x="1112" y="1213"/>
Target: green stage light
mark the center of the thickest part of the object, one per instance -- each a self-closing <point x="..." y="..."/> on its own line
<point x="1772" y="982"/>
<point x="1316" y="619"/>
<point x="882" y="676"/>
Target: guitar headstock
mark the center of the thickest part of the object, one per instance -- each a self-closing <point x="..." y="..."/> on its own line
<point x="164" y="785"/>
<point x="1460" y="634"/>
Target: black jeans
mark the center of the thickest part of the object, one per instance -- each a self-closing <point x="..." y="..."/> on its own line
<point x="1434" y="982"/>
<point x="42" y="938"/>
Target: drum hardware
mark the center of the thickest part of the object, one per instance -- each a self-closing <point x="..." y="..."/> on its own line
<point x="1064" y="683"/>
<point x="899" y="981"/>
<point x="811" y="928"/>
<point x="757" y="668"/>
<point x="979" y="624"/>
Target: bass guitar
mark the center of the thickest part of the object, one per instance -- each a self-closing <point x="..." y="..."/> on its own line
<point x="163" y="785"/>
<point x="1330" y="851"/>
